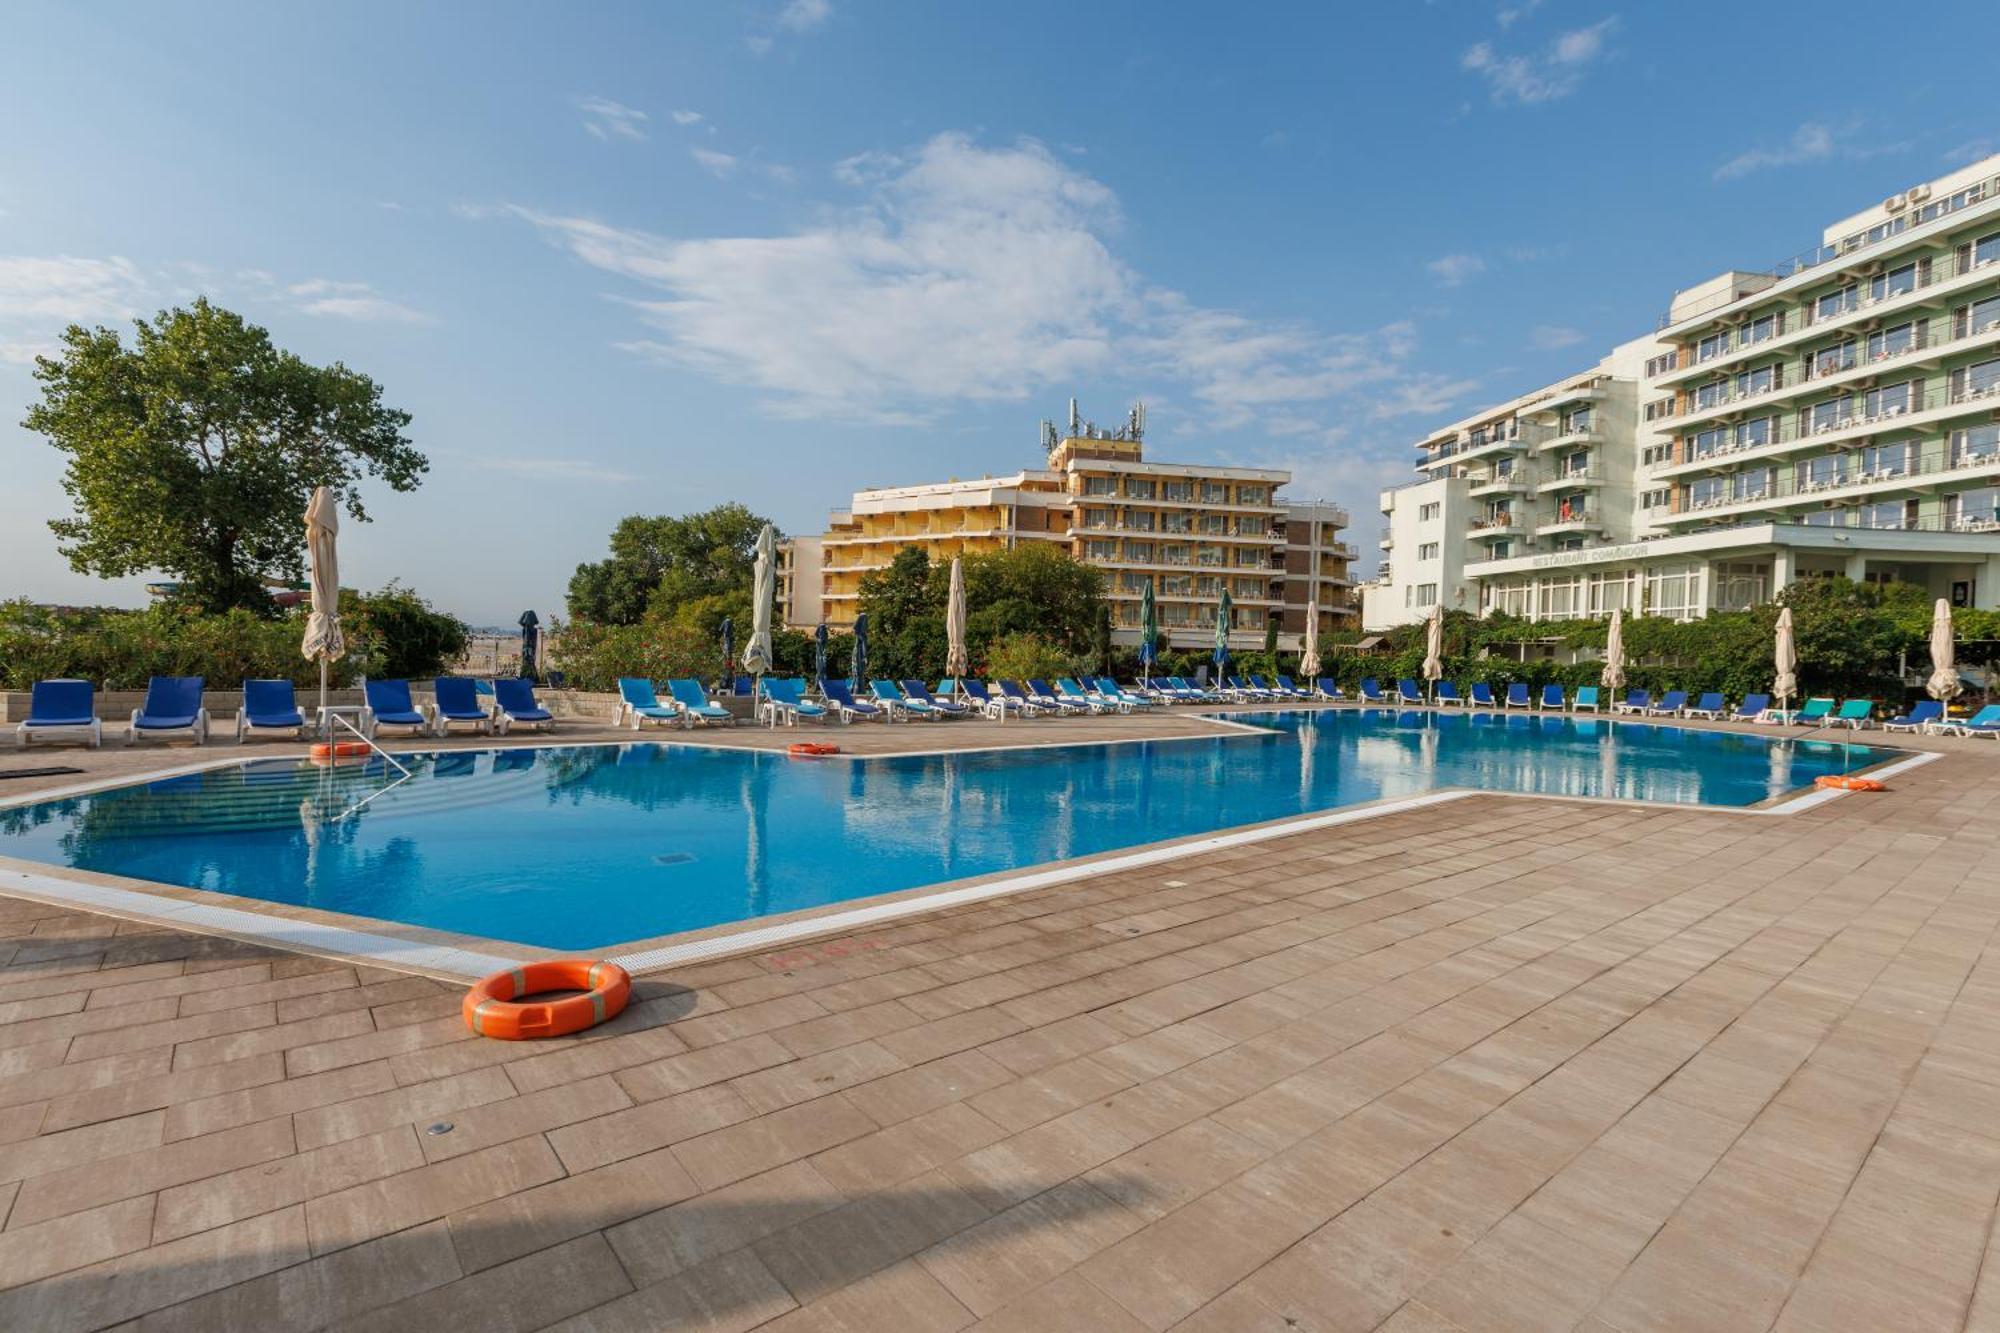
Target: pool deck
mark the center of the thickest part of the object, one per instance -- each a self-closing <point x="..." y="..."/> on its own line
<point x="1498" y="1064"/>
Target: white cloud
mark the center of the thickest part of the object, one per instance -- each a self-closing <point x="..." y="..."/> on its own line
<point x="969" y="274"/>
<point x="606" y="119"/>
<point x="1453" y="270"/>
<point x="1972" y="150"/>
<point x="1510" y="15"/>
<point x="558" y="469"/>
<point x="1813" y="141"/>
<point x="355" y="301"/>
<point x="804" y="15"/>
<point x="688" y="117"/>
<point x="1554" y="73"/>
<point x="758" y="44"/>
<point x="66" y="289"/>
<point x="1549" y="337"/>
<point x="714" y="163"/>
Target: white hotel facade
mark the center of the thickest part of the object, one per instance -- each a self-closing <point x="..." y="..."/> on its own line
<point x="1838" y="415"/>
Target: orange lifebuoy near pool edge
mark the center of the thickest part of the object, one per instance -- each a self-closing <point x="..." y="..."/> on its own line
<point x="490" y="1010"/>
<point x="806" y="748"/>
<point x="1839" y="782"/>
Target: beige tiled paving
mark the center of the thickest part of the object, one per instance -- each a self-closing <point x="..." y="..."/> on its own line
<point x="1502" y="1064"/>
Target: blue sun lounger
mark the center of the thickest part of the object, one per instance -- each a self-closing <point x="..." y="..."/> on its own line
<point x="840" y="695"/>
<point x="1448" y="695"/>
<point x="269" y="705"/>
<point x="57" y="706"/>
<point x="695" y="705"/>
<point x="1409" y="691"/>
<point x="638" y="704"/>
<point x="1855" y="713"/>
<point x="785" y="701"/>
<point x="1751" y="709"/>
<point x="1589" y="699"/>
<point x="455" y="701"/>
<point x="918" y="691"/>
<point x="1709" y="705"/>
<point x="1041" y="690"/>
<point x="1670" y="704"/>
<point x="388" y="705"/>
<point x="172" y="708"/>
<point x="1924" y="715"/>
<point x="1482" y="696"/>
<point x="517" y="703"/>
<point x="1326" y="687"/>
<point x="1517" y="695"/>
<point x="1285" y="683"/>
<point x="1554" y="698"/>
<point x="1985" y="722"/>
<point x="1031" y="705"/>
<point x="891" y="697"/>
<point x="1371" y="691"/>
<point x="1815" y="711"/>
<point x="995" y="706"/>
<point x="1636" y="701"/>
<point x="1118" y="694"/>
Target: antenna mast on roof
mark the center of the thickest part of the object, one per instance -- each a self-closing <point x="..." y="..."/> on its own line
<point x="1075" y="421"/>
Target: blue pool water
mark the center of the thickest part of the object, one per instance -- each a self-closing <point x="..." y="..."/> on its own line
<point x="587" y="846"/>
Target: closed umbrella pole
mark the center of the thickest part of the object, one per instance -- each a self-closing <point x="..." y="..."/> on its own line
<point x="1434" y="648"/>
<point x="819" y="656"/>
<point x="1149" y="633"/>
<point x="323" y="639"/>
<point x="1223" y="613"/>
<point x="1785" y="657"/>
<point x="728" y="654"/>
<point x="1614" y="653"/>
<point x="858" y="661"/>
<point x="1309" y="663"/>
<point x="763" y="593"/>
<point x="1943" y="685"/>
<point x="955" y="663"/>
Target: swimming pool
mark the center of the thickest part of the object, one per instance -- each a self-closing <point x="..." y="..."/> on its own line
<point x="582" y="847"/>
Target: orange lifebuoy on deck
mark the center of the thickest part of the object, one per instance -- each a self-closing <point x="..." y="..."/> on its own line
<point x="809" y="748"/>
<point x="491" y="1010"/>
<point x="1840" y="782"/>
<point x="323" y="752"/>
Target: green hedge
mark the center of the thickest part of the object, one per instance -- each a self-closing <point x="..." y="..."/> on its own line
<point x="389" y="633"/>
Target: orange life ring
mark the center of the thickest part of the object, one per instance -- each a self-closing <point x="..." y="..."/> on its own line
<point x="809" y="748"/>
<point x="341" y="750"/>
<point x="1842" y="783"/>
<point x="490" y="1010"/>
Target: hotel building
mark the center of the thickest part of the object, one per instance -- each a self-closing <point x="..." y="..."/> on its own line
<point x="1188" y="529"/>
<point x="1837" y="415"/>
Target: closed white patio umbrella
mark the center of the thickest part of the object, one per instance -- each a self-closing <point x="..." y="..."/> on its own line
<point x="1309" y="660"/>
<point x="1943" y="685"/>
<point x="1614" y="653"/>
<point x="763" y="592"/>
<point x="323" y="640"/>
<point x="955" y="663"/>
<point x="1434" y="647"/>
<point x="1785" y="657"/>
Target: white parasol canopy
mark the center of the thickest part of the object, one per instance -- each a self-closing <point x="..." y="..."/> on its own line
<point x="1614" y="653"/>
<point x="1434" y="644"/>
<point x="323" y="640"/>
<point x="763" y="593"/>
<point x="1785" y="656"/>
<point x="955" y="663"/>
<point x="1943" y="684"/>
<point x="1309" y="660"/>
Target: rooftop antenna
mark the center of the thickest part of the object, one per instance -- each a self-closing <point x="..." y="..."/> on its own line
<point x="1137" y="424"/>
<point x="1075" y="422"/>
<point x="1048" y="435"/>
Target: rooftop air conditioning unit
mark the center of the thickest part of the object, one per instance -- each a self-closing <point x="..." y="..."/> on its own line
<point x="1918" y="193"/>
<point x="1895" y="203"/>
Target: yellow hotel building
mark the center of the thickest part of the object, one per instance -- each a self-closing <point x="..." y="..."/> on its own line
<point x="1189" y="529"/>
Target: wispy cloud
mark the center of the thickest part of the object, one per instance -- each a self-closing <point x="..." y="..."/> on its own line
<point x="719" y="165"/>
<point x="1549" y="337"/>
<point x="804" y="15"/>
<point x="966" y="273"/>
<point x="1543" y="76"/>
<point x="1972" y="150"/>
<point x="1509" y="15"/>
<point x="67" y="289"/>
<point x="1455" y="269"/>
<point x="558" y="469"/>
<point x="606" y="119"/>
<point x="355" y="301"/>
<point x="685" y="117"/>
<point x="1813" y="141"/>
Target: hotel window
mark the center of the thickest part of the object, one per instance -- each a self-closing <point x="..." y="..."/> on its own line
<point x="1214" y="493"/>
<point x="1175" y="553"/>
<point x="1986" y="249"/>
<point x="1893" y="514"/>
<point x="1140" y="488"/>
<point x="1836" y="303"/>
<point x="1097" y="518"/>
<point x="1207" y="585"/>
<point x="1976" y="318"/>
<point x="1176" y="585"/>
<point x="1975" y="381"/>
<point x="1659" y="499"/>
<point x="1577" y="422"/>
<point x="1710" y="441"/>
<point x="1100" y="550"/>
<point x="1215" y="523"/>
<point x="1132" y="582"/>
<point x="1211" y="555"/>
<point x="1889" y="460"/>
<point x="1427" y="594"/>
<point x="1667" y="591"/>
<point x="1978" y="444"/>
<point x="1177" y="490"/>
<point x="1711" y="393"/>
<point x="1427" y="551"/>
<point x="1250" y="588"/>
<point x="1659" y="409"/>
<point x="1832" y="360"/>
<point x="1100" y="485"/>
<point x="1426" y="513"/>
<point x="1714" y="345"/>
<point x="1978" y="509"/>
<point x="1141" y="552"/>
<point x="1249" y="525"/>
<point x="1502" y="550"/>
<point x="1706" y="491"/>
<point x="1252" y="495"/>
<point x="1761" y="329"/>
<point x="1750" y="434"/>
<point x="1822" y="472"/>
<point x="1891" y="400"/>
<point x="1653" y="455"/>
<point x="1892" y="342"/>
<point x="1738" y="587"/>
<point x="1139" y="520"/>
<point x="1753" y="485"/>
<point x="1830" y="415"/>
<point x="1893" y="283"/>
<point x="1176" y="522"/>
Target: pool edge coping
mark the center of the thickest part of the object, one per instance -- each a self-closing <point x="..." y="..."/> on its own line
<point x="469" y="961"/>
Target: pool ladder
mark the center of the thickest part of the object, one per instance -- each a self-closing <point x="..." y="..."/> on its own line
<point x="387" y="758"/>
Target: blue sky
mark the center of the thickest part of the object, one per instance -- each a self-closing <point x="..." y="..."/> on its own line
<point x="645" y="258"/>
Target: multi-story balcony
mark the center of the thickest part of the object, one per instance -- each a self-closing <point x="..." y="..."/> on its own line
<point x="1572" y="435"/>
<point x="1837" y="367"/>
<point x="1929" y="407"/>
<point x="1576" y="393"/>
<point x="1508" y="483"/>
<point x="1572" y="518"/>
<point x="1573" y="477"/>
<point x="1818" y="482"/>
<point x="1488" y="527"/>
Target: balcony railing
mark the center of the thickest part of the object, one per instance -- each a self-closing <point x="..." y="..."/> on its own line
<point x="1919" y="468"/>
<point x="1788" y="430"/>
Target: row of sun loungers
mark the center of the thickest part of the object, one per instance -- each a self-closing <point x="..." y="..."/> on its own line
<point x="67" y="709"/>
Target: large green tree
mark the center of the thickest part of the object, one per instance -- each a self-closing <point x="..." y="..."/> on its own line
<point x="1036" y="590"/>
<point x="666" y="564"/>
<point x="193" y="450"/>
